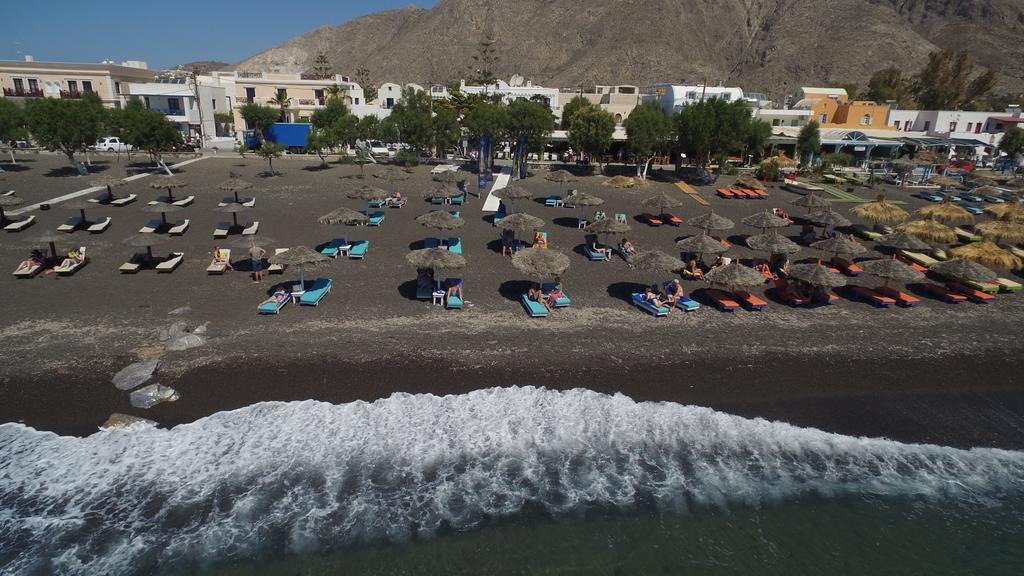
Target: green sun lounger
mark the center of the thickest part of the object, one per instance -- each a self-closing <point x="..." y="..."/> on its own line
<point x="986" y="287"/>
<point x="1007" y="285"/>
<point x="919" y="258"/>
<point x="455" y="245"/>
<point x="315" y="293"/>
<point x="866" y="233"/>
<point x="533" y="308"/>
<point x="358" y="249"/>
<point x="966" y="236"/>
<point x="332" y="248"/>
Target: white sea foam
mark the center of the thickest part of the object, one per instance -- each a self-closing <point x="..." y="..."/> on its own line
<point x="295" y="477"/>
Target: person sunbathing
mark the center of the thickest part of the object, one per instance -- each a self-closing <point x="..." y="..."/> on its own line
<point x="454" y="288"/>
<point x="540" y="240"/>
<point x="722" y="261"/>
<point x="628" y="248"/>
<point x="537" y="295"/>
<point x="652" y="297"/>
<point x="395" y="199"/>
<point x="765" y="270"/>
<point x="219" y="259"/>
<point x="555" y="294"/>
<point x="693" y="270"/>
<point x="36" y="258"/>
<point x="279" y="296"/>
<point x="74" y="258"/>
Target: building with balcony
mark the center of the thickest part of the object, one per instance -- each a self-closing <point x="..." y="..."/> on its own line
<point x="619" y="101"/>
<point x="673" y="97"/>
<point x="981" y="131"/>
<point x="783" y="117"/>
<point x="31" y="79"/>
<point x="831" y="107"/>
<point x="176" y="98"/>
<point x="304" y="94"/>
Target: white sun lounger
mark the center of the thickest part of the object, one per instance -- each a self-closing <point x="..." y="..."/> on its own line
<point x="179" y="227"/>
<point x="132" y="266"/>
<point x="251" y="229"/>
<point x="69" y="270"/>
<point x="152" y="226"/>
<point x="171" y="263"/>
<point x="21" y="223"/>
<point x="222" y="230"/>
<point x="124" y="201"/>
<point x="29" y="272"/>
<point x="8" y="193"/>
<point x="100" y="225"/>
<point x="247" y="202"/>
<point x="277" y="268"/>
<point x="220" y="265"/>
<point x="70" y="225"/>
<point x="184" y="201"/>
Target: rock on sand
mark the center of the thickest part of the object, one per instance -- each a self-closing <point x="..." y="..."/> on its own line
<point x="135" y="374"/>
<point x="152" y="395"/>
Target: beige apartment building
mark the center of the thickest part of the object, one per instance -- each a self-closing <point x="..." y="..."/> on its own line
<point x="31" y="79"/>
<point x="619" y="101"/>
<point x="305" y="95"/>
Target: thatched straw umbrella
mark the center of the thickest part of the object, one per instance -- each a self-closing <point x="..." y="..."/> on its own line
<point x="839" y="245"/>
<point x="50" y="237"/>
<point x="1003" y="230"/>
<point x="900" y="240"/>
<point x="812" y="202"/>
<point x="163" y="208"/>
<point x="1011" y="211"/>
<point x="749" y="182"/>
<point x="710" y="221"/>
<point x="345" y="216"/>
<point x="701" y="244"/>
<point x="234" y="208"/>
<point x="563" y="177"/>
<point x="773" y="244"/>
<point x="442" y="191"/>
<point x="234" y="185"/>
<point x="108" y="182"/>
<point x="169" y="183"/>
<point x="391" y="174"/>
<point x="607" y="227"/>
<point x="435" y="259"/>
<point x="829" y="219"/>
<point x="880" y="211"/>
<point x="781" y="160"/>
<point x="981" y="180"/>
<point x="9" y="202"/>
<point x="511" y="193"/>
<point x="946" y="212"/>
<point x="300" y="256"/>
<point x="944" y="181"/>
<point x="520" y="222"/>
<point x="80" y="205"/>
<point x="369" y="194"/>
<point x="147" y="241"/>
<point x="929" y="157"/>
<point x="655" y="262"/>
<point x="928" y="230"/>
<point x="440" y="220"/>
<point x="816" y="275"/>
<point x="582" y="199"/>
<point x="539" y="263"/>
<point x="663" y="202"/>
<point x="448" y="177"/>
<point x="964" y="270"/>
<point x="890" y="269"/>
<point x="987" y="253"/>
<point x="735" y="275"/>
<point x="765" y="220"/>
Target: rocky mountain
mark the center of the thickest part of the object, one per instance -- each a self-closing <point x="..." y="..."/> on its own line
<point x="767" y="45"/>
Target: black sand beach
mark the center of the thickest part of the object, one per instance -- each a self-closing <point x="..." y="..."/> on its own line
<point x="937" y="373"/>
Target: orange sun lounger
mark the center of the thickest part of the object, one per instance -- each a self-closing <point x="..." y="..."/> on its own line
<point x="901" y="298"/>
<point x="943" y="293"/>
<point x="750" y="301"/>
<point x="724" y="193"/>
<point x="739" y="193"/>
<point x="847" y="267"/>
<point x="972" y="294"/>
<point x="756" y="193"/>
<point x="722" y="300"/>
<point x="872" y="297"/>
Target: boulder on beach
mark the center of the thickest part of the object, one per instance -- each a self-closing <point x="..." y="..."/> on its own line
<point x="118" y="420"/>
<point x="185" y="342"/>
<point x="154" y="394"/>
<point x="136" y="374"/>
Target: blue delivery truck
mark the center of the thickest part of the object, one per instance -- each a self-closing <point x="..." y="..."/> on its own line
<point x="294" y="137"/>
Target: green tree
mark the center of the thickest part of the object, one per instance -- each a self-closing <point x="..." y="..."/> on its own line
<point x="329" y="115"/>
<point x="149" y="131"/>
<point x="1012" y="143"/>
<point x="258" y="117"/>
<point x="808" y="141"/>
<point x="487" y="119"/>
<point x="413" y="119"/>
<point x="322" y="66"/>
<point x="532" y="122"/>
<point x="694" y="127"/>
<point x="368" y="128"/>
<point x="887" y="85"/>
<point x="484" y="61"/>
<point x="949" y="82"/>
<point x="758" y="133"/>
<point x="572" y="107"/>
<point x="460" y="102"/>
<point x="447" y="131"/>
<point x="268" y="151"/>
<point x="591" y="132"/>
<point x="12" y="125"/>
<point x="362" y="77"/>
<point x="648" y="130"/>
<point x="321" y="141"/>
<point x="282" y="102"/>
<point x="66" y="126"/>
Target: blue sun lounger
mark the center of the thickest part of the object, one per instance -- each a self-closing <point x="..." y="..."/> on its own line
<point x="431" y="243"/>
<point x="533" y="308"/>
<point x="359" y="248"/>
<point x="315" y="293"/>
<point x="553" y="201"/>
<point x="563" y="302"/>
<point x="375" y="218"/>
<point x="274" y="307"/>
<point x="455" y="245"/>
<point x="589" y="240"/>
<point x="460" y="199"/>
<point x="332" y="248"/>
<point x="453" y="302"/>
<point x="455" y="213"/>
<point x="930" y="197"/>
<point x="638" y="300"/>
<point x="973" y="209"/>
<point x="687" y="304"/>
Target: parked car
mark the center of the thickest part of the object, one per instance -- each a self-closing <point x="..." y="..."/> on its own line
<point x="112" y="144"/>
<point x="378" y="148"/>
<point x="965" y="165"/>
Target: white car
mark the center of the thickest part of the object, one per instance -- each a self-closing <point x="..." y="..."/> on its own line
<point x="112" y="144"/>
<point x="378" y="148"/>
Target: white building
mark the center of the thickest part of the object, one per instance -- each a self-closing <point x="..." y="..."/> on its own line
<point x="673" y="97"/>
<point x="781" y="117"/>
<point x="510" y="92"/>
<point x="390" y="93"/>
<point x="984" y="129"/>
<point x="176" y="99"/>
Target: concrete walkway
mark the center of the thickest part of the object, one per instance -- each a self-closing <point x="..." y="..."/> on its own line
<point x="91" y="190"/>
<point x="500" y="181"/>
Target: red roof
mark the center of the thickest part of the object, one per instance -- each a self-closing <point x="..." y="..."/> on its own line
<point x="1008" y="119"/>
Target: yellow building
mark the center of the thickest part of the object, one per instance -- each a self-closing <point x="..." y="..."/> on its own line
<point x="304" y="95"/>
<point x="832" y="108"/>
<point x="31" y="79"/>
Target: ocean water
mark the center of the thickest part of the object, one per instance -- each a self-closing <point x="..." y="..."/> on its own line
<point x="513" y="480"/>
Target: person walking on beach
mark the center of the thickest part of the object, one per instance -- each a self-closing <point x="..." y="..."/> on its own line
<point x="256" y="254"/>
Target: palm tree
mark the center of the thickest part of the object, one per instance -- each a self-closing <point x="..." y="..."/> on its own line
<point x="281" y="100"/>
<point x="333" y="92"/>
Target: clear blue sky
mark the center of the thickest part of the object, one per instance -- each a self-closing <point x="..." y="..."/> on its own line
<point x="166" y="32"/>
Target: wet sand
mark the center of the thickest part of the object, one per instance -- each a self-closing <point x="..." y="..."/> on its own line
<point x="940" y="374"/>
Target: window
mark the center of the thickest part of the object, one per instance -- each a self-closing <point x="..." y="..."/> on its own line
<point x="318" y="93"/>
<point x="927" y="125"/>
<point x="117" y="88"/>
<point x="865" y="120"/>
<point x="952" y="126"/>
<point x="250" y="94"/>
<point x="907" y="125"/>
<point x="970" y="126"/>
<point x="692" y="95"/>
<point x="174" y="105"/>
<point x="357" y="101"/>
<point x="794" y="122"/>
<point x="146" y="100"/>
<point x="213" y="103"/>
<point x="282" y="91"/>
<point x="19" y="85"/>
<point x="977" y="128"/>
<point x="389" y="103"/>
<point x="775" y="121"/>
<point x="72" y="86"/>
<point x="823" y="119"/>
<point x="86" y="86"/>
<point x="727" y="97"/>
<point x="896" y="125"/>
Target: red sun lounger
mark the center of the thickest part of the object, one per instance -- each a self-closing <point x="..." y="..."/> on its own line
<point x="670" y="219"/>
<point x="650" y="220"/>
<point x="739" y="193"/>
<point x="943" y="293"/>
<point x="901" y="298"/>
<point x="872" y="297"/>
<point x="724" y="193"/>
<point x="723" y="301"/>
<point x="847" y="267"/>
<point x="972" y="294"/>
<point x="750" y="301"/>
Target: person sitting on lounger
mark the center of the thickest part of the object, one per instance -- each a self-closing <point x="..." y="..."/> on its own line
<point x="219" y="259"/>
<point x="454" y="288"/>
<point x="628" y="248"/>
<point x="674" y="291"/>
<point x="394" y="200"/>
<point x="595" y="247"/>
<point x="425" y="279"/>
<point x="36" y="258"/>
<point x="722" y="261"/>
<point x="535" y="294"/>
<point x="540" y="240"/>
<point x="555" y="293"/>
<point x="73" y="258"/>
<point x="652" y="297"/>
<point x="765" y="270"/>
<point x="280" y="295"/>
<point x="693" y="270"/>
<point x="781" y="213"/>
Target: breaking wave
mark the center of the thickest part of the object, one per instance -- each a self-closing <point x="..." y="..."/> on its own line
<point x="279" y="478"/>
